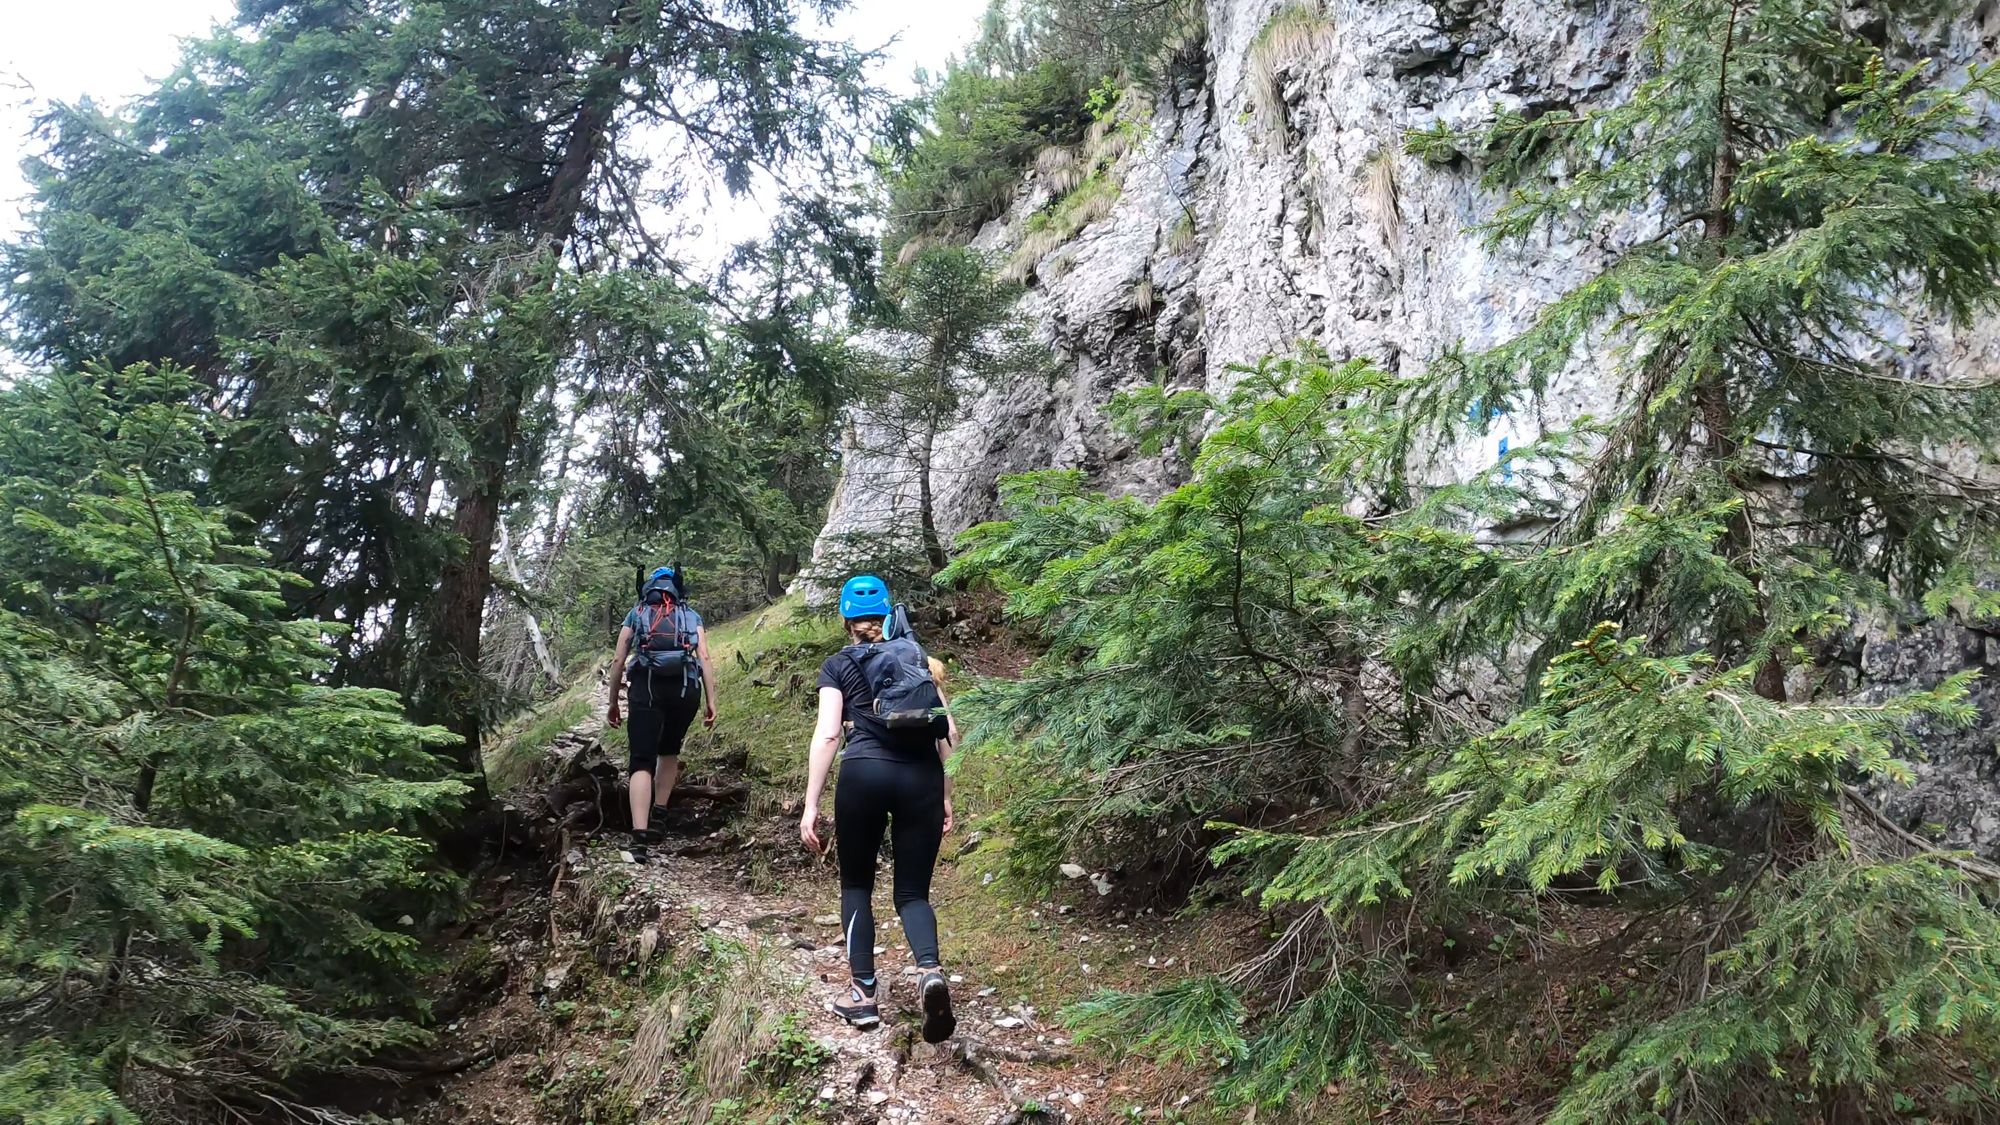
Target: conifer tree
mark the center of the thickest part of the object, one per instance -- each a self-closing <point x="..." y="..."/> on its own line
<point x="946" y="332"/>
<point x="1778" y="474"/>
<point x="212" y="865"/>
<point x="385" y="231"/>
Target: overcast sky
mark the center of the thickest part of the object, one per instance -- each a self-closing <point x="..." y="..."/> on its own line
<point x="62" y="50"/>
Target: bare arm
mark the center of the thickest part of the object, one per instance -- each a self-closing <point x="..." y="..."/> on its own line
<point x="945" y="746"/>
<point x="707" y="673"/>
<point x="617" y="676"/>
<point x="825" y="741"/>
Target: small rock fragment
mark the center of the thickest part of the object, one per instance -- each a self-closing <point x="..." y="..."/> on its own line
<point x="1072" y="871"/>
<point x="556" y="977"/>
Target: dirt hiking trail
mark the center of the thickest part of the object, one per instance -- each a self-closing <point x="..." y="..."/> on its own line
<point x="696" y="986"/>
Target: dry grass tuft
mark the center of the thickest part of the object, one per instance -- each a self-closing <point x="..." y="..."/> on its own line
<point x="1035" y="245"/>
<point x="1185" y="234"/>
<point x="911" y="249"/>
<point x="1088" y="207"/>
<point x="1381" y="197"/>
<point x="646" y="1064"/>
<point x="717" y="1029"/>
<point x="1060" y="168"/>
<point x="1093" y="199"/>
<point x="1297" y="34"/>
<point x="1145" y="298"/>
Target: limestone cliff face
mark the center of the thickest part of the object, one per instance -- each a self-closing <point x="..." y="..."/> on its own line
<point x="1268" y="201"/>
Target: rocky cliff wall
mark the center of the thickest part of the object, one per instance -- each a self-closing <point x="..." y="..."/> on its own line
<point x="1268" y="201"/>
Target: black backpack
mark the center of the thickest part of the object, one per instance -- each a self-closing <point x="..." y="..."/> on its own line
<point x="898" y="674"/>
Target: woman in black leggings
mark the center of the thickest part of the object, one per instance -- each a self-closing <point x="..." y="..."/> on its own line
<point x="889" y="779"/>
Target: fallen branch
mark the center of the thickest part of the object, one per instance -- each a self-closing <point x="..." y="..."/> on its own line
<point x="973" y="1055"/>
<point x="1033" y="1056"/>
<point x="1978" y="868"/>
<point x="720" y="792"/>
<point x="414" y="1068"/>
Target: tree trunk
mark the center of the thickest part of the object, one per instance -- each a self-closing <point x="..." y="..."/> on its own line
<point x="536" y="641"/>
<point x="926" y="518"/>
<point x="774" y="577"/>
<point x="454" y="697"/>
<point x="1712" y="393"/>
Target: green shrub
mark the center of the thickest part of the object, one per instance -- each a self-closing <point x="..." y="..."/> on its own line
<point x="961" y="170"/>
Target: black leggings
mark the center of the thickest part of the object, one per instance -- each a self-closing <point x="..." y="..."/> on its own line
<point x="907" y="797"/>
<point x="660" y="716"/>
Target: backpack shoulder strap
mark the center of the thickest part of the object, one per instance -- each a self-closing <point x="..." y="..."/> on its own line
<point x="855" y="660"/>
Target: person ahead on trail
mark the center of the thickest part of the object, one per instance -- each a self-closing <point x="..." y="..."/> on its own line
<point x="663" y="650"/>
<point x="883" y="693"/>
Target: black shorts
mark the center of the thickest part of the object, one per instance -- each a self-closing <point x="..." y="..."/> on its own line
<point x="658" y="716"/>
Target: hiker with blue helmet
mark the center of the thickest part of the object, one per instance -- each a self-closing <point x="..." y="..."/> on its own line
<point x="663" y="652"/>
<point x="882" y="706"/>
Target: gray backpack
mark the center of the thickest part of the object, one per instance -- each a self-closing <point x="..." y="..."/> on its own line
<point x="664" y="646"/>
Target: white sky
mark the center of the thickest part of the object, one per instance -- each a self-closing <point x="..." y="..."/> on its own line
<point x="110" y="50"/>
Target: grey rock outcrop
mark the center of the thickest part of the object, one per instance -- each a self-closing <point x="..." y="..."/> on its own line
<point x="1270" y="201"/>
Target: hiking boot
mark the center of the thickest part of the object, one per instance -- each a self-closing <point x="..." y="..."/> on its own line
<point x="641" y="840"/>
<point x="858" y="1007"/>
<point x="934" y="994"/>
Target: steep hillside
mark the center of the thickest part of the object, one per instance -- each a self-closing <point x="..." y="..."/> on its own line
<point x="1269" y="200"/>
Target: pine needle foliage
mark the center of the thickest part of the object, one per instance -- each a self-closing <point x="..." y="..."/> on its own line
<point x="1655" y="720"/>
<point x="1202" y="650"/>
<point x="212" y="862"/>
<point x="1198" y="1020"/>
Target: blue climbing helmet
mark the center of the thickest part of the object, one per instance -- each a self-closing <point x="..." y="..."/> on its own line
<point x="864" y="595"/>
